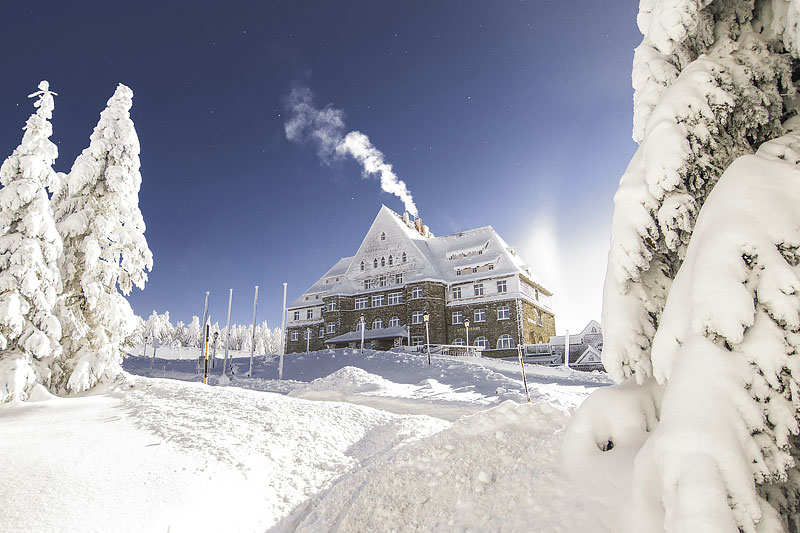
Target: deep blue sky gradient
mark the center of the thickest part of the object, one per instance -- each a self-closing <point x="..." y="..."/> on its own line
<point x="494" y="113"/>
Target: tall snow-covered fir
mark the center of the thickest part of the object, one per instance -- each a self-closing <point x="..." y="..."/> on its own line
<point x="702" y="294"/>
<point x="105" y="251"/>
<point x="29" y="250"/>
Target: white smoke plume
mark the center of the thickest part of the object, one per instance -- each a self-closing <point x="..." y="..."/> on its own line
<point x="325" y="128"/>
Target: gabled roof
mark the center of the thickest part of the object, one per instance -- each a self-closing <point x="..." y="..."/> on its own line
<point x="449" y="258"/>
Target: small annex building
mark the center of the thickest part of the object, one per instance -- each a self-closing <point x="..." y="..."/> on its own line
<point x="585" y="349"/>
<point x="401" y="271"/>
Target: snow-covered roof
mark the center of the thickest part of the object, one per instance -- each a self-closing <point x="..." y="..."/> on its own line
<point x="449" y="258"/>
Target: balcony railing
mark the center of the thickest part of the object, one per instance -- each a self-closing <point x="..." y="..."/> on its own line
<point x="454" y="350"/>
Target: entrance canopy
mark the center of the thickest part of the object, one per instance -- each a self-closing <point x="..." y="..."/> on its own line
<point x="370" y="335"/>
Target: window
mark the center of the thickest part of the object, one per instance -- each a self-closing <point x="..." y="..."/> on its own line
<point x="458" y="272"/>
<point x="404" y="257"/>
<point x="394" y="322"/>
<point x="321" y="332"/>
<point x="297" y="315"/>
<point x="458" y="317"/>
<point x="309" y="314"/>
<point x="482" y="342"/>
<point x="416" y="317"/>
<point x="377" y="300"/>
<point x="390" y="261"/>
<point x="480" y="315"/>
<point x="362" y="265"/>
<point x="383" y="236"/>
<point x="375" y="263"/>
<point x="501" y="286"/>
<point x="332" y="306"/>
<point x="331" y="327"/>
<point x="377" y="324"/>
<point x="505" y="342"/>
<point x="307" y="334"/>
<point x="367" y="283"/>
<point x="478" y="288"/>
<point x="398" y="279"/>
<point x="382" y="281"/>
<point x="416" y="293"/>
<point x="361" y="303"/>
<point x="383" y="261"/>
<point x="536" y="295"/>
<point x="395" y="298"/>
<point x="359" y="325"/>
<point x="294" y="335"/>
<point x="491" y="266"/>
<point x="459" y="342"/>
<point x="417" y="341"/>
<point x="456" y="293"/>
<point x="474" y="270"/>
<point x="503" y="313"/>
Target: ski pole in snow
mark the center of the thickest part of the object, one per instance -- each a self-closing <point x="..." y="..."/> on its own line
<point x="566" y="349"/>
<point x="227" y="331"/>
<point x="521" y="364"/>
<point x="253" y="339"/>
<point x="283" y="333"/>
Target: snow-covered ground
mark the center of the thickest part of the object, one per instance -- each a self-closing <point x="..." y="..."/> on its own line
<point x="348" y="441"/>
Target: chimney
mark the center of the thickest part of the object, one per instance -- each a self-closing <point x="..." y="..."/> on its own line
<point x="406" y="219"/>
<point x="418" y="224"/>
<point x="426" y="232"/>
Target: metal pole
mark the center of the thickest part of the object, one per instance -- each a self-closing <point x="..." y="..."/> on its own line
<point x="203" y="323"/>
<point x="283" y="334"/>
<point x="227" y="331"/>
<point x="566" y="349"/>
<point x="213" y="359"/>
<point x="205" y="355"/>
<point x="253" y="339"/>
<point x="363" y="327"/>
<point x="522" y="365"/>
<point x="428" y="341"/>
<point x="308" y="339"/>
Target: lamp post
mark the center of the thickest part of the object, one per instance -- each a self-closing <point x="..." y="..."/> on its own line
<point x="308" y="339"/>
<point x="363" y="324"/>
<point x="426" y="318"/>
<point x="466" y="325"/>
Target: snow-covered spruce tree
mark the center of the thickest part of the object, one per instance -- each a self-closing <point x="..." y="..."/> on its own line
<point x="29" y="250"/>
<point x="702" y="293"/>
<point x="105" y="251"/>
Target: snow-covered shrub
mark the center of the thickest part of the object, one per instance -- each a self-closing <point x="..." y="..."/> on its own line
<point x="29" y="250"/>
<point x="702" y="291"/>
<point x="105" y="251"/>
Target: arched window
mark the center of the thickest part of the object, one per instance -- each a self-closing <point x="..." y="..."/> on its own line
<point x="383" y="236"/>
<point x="404" y="257"/>
<point x="362" y="265"/>
<point x="375" y="263"/>
<point x="383" y="261"/>
<point x="482" y="342"/>
<point x="459" y="342"/>
<point x="377" y="324"/>
<point x="390" y="261"/>
<point x="394" y="322"/>
<point x="505" y="341"/>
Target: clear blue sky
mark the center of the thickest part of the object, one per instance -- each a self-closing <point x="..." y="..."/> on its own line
<point x="510" y="114"/>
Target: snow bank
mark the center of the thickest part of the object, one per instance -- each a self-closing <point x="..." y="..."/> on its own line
<point x="493" y="471"/>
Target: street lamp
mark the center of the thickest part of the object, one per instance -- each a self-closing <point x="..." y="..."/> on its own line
<point x="308" y="339"/>
<point x="363" y="327"/>
<point x="466" y="325"/>
<point x="426" y="318"/>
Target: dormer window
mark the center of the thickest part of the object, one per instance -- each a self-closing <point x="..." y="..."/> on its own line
<point x="404" y="257"/>
<point x="362" y="265"/>
<point x="375" y="263"/>
<point x="383" y="261"/>
<point x="390" y="261"/>
<point x="383" y="236"/>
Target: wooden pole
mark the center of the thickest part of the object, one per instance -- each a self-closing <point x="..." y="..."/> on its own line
<point x="522" y="365"/>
